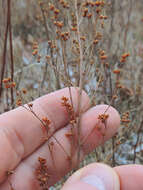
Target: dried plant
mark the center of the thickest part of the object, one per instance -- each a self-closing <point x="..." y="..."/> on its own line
<point x="94" y="45"/>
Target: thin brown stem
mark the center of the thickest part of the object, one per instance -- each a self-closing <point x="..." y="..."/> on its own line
<point x="4" y="54"/>
<point x="137" y="141"/>
<point x="11" y="50"/>
<point x="45" y="22"/>
<point x="80" y="84"/>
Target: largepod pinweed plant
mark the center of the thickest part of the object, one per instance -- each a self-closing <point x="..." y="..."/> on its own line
<point x="94" y="45"/>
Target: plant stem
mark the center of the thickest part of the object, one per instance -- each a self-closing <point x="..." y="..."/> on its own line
<point x="80" y="85"/>
<point x="11" y="50"/>
<point x="4" y="54"/>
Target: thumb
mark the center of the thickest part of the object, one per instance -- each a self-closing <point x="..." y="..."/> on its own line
<point x="95" y="176"/>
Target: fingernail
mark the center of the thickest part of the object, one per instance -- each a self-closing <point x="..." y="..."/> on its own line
<point x="94" y="181"/>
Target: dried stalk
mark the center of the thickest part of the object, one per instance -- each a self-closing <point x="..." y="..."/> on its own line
<point x="80" y="85"/>
<point x="11" y="50"/>
<point x="137" y="141"/>
<point x="4" y="54"/>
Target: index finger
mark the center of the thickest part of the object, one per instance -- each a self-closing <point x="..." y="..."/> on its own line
<point x="20" y="131"/>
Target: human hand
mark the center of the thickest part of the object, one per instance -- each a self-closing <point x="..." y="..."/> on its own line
<point x="22" y="142"/>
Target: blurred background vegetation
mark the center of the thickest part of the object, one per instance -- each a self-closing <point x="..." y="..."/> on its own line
<point x="44" y="43"/>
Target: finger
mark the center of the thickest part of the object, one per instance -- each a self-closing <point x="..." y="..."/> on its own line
<point x="20" y="130"/>
<point x="95" y="132"/>
<point x="57" y="163"/>
<point x="101" y="177"/>
<point x="93" y="177"/>
<point x="131" y="177"/>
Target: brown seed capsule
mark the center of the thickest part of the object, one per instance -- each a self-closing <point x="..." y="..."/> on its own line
<point x="56" y="11"/>
<point x="117" y="71"/>
<point x="51" y="7"/>
<point x="103" y="57"/>
<point x="24" y="91"/>
<point x="5" y="80"/>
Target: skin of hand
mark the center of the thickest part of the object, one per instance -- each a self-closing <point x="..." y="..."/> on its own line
<point x="22" y="141"/>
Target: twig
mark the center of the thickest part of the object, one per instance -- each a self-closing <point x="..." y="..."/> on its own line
<point x="4" y="54"/>
<point x="45" y="22"/>
<point x="44" y="75"/>
<point x="80" y="86"/>
<point x="137" y="141"/>
<point x="11" y="50"/>
<point x="128" y="23"/>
